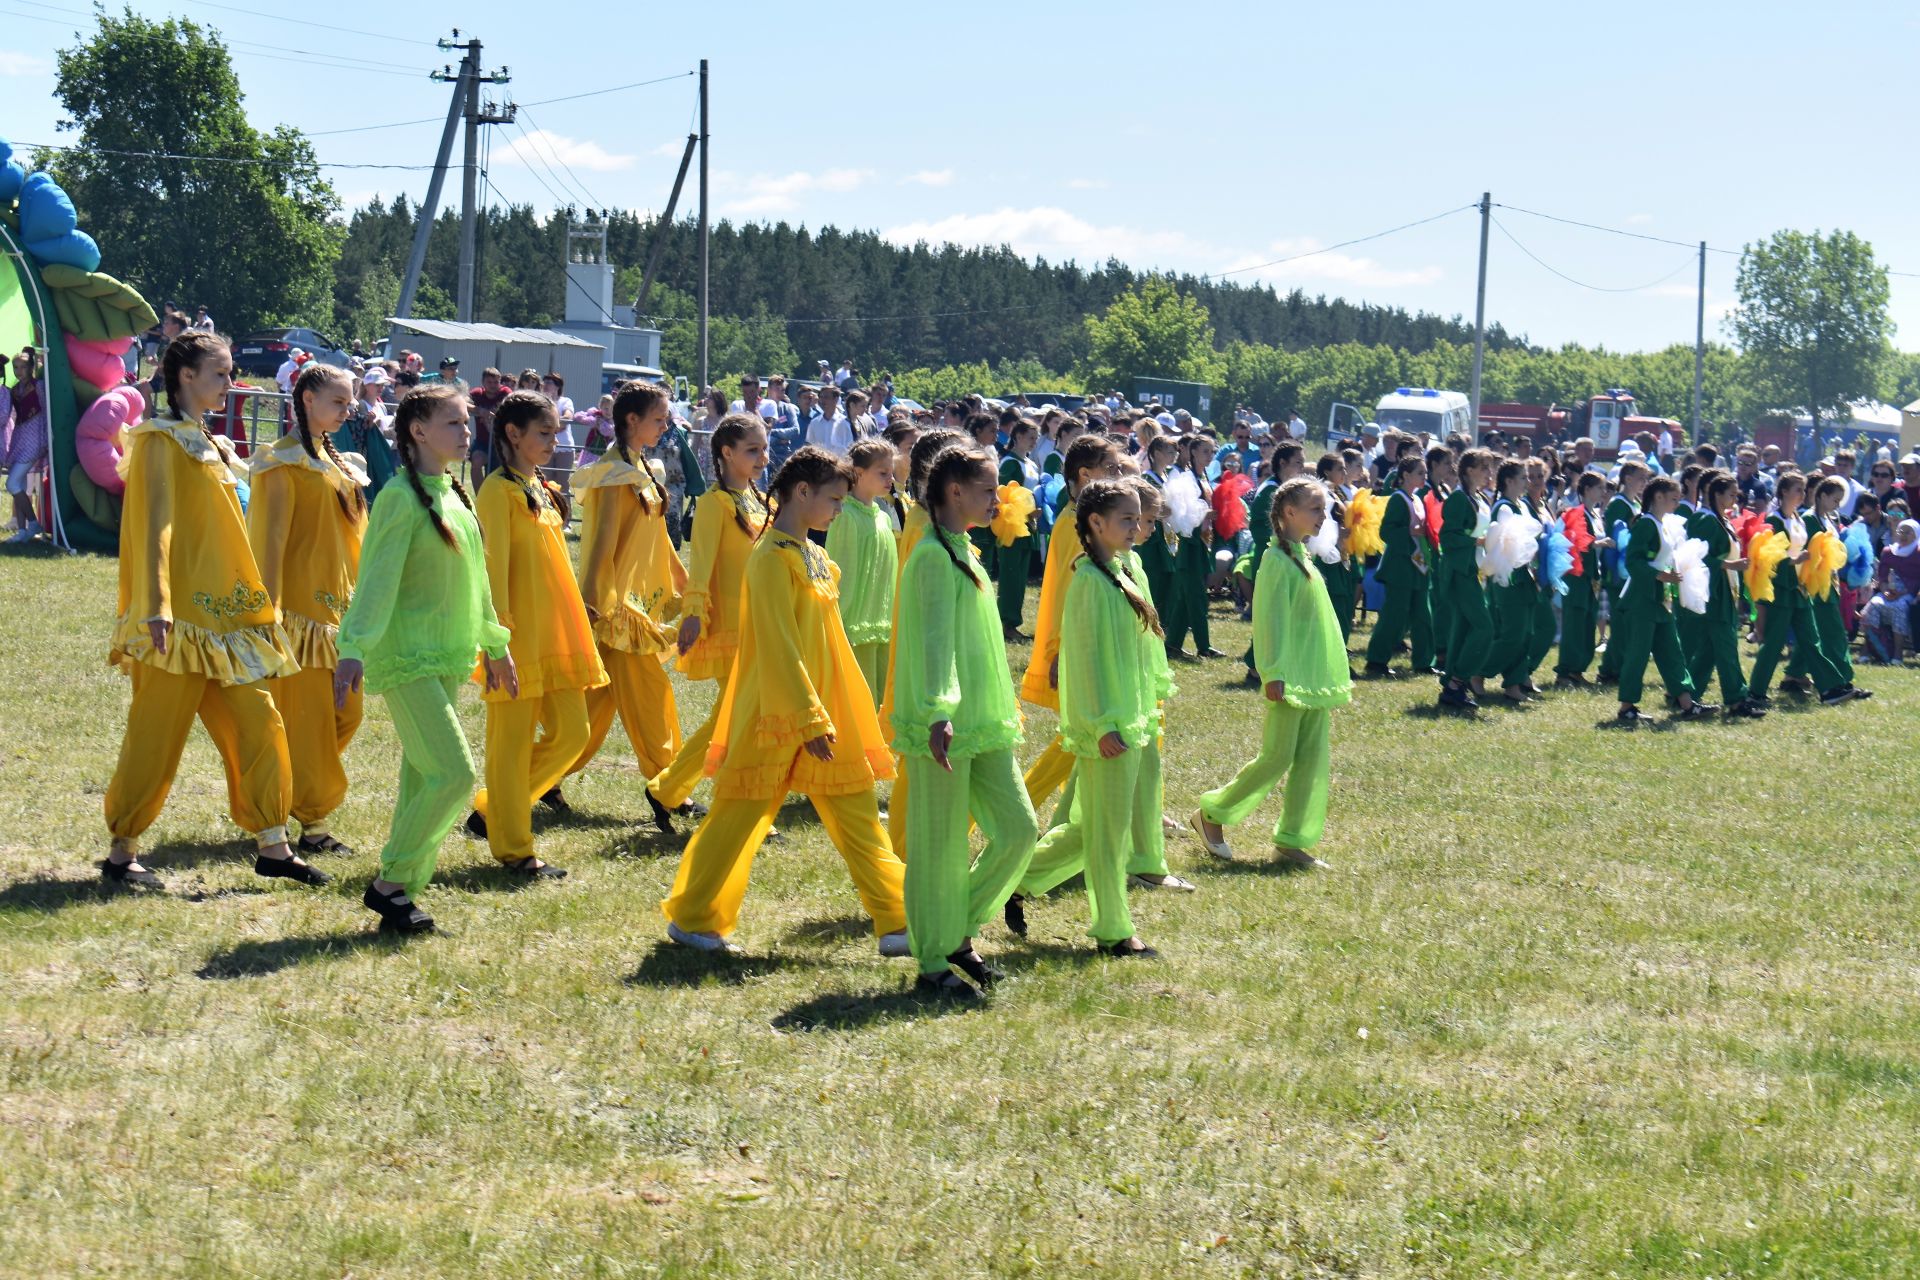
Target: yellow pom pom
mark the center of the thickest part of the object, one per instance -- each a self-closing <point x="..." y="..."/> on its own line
<point x="1016" y="510"/>
<point x="1826" y="556"/>
<point x="1764" y="555"/>
<point x="1364" y="514"/>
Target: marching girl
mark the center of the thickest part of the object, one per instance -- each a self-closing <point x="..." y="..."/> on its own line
<point x="795" y="717"/>
<point x="421" y="612"/>
<point x="1193" y="564"/>
<point x="1623" y="512"/>
<point x="1016" y="560"/>
<point x="1158" y="552"/>
<point x="1110" y="690"/>
<point x="1443" y="475"/>
<point x="1790" y="613"/>
<point x="1403" y="572"/>
<point x="196" y="630"/>
<point x="1646" y="624"/>
<point x="1540" y="635"/>
<point x="863" y="546"/>
<point x="1303" y="663"/>
<point x="727" y="521"/>
<point x="956" y="724"/>
<point x="1719" y="628"/>
<point x="523" y="524"/>
<point x="1339" y="577"/>
<point x="1823" y="517"/>
<point x="632" y="583"/>
<point x="1464" y="519"/>
<point x="305" y="516"/>
<point x="1512" y="604"/>
<point x="1090" y="457"/>
<point x="1287" y="461"/>
<point x="1580" y="607"/>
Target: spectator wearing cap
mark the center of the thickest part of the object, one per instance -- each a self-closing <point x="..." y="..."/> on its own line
<point x="449" y="376"/>
<point x="1909" y="487"/>
<point x="368" y="431"/>
<point x="289" y="370"/>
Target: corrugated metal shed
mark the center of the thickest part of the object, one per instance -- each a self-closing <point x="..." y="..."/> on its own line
<point x="453" y="331"/>
<point x="509" y="350"/>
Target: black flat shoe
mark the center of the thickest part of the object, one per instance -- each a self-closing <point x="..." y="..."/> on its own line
<point x="1379" y="671"/>
<point x="534" y="869"/>
<point x="396" y="911"/>
<point x="129" y="873"/>
<point x="946" y="986"/>
<point x="1699" y="711"/>
<point x="1747" y="709"/>
<point x="1129" y="949"/>
<point x="691" y="809"/>
<point x="1632" y="718"/>
<point x="476" y="825"/>
<point x="970" y="963"/>
<point x="1834" y="697"/>
<point x="662" y="816"/>
<point x="556" y="802"/>
<point x="1793" y="685"/>
<point x="1016" y="914"/>
<point x="291" y="868"/>
<point x="323" y="843"/>
<point x="1859" y="694"/>
<point x="1211" y="652"/>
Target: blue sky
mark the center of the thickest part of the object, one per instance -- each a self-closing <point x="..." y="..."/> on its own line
<point x="1203" y="137"/>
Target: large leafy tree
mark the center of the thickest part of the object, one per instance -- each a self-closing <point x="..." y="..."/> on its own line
<point x="241" y="225"/>
<point x="1812" y="318"/>
<point x="1151" y="331"/>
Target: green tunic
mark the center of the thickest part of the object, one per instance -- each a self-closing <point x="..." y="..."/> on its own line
<point x="949" y="660"/>
<point x="861" y="542"/>
<point x="1108" y="681"/>
<point x="1711" y="640"/>
<point x="1296" y="635"/>
<point x="1402" y="575"/>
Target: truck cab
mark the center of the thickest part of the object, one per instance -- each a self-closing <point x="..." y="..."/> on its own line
<point x="1610" y="417"/>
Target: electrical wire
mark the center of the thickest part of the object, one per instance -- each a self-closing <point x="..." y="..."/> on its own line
<point x="1597" y="288"/>
<point x="401" y="124"/>
<point x="174" y="155"/>
<point x="250" y="48"/>
<point x="618" y="88"/>
<point x="1405" y="226"/>
<point x="324" y="26"/>
<point x="593" y="201"/>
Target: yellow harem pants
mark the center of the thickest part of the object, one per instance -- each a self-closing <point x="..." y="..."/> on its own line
<point x="949" y="894"/>
<point x="1049" y="770"/>
<point x="673" y="784"/>
<point x="245" y="727"/>
<point x="318" y="734"/>
<point x="520" y="767"/>
<point x="637" y="687"/>
<point x="712" y="879"/>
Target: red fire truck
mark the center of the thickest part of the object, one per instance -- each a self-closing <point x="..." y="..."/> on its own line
<point x="1607" y="418"/>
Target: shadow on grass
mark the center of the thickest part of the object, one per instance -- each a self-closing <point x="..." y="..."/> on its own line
<point x="670" y="965"/>
<point x="198" y="853"/>
<point x="850" y="1011"/>
<point x="254" y="959"/>
<point x="1258" y="866"/>
<point x="841" y="929"/>
<point x="642" y="843"/>
<point x="489" y="877"/>
<point x="1437" y="712"/>
<point x="48" y="893"/>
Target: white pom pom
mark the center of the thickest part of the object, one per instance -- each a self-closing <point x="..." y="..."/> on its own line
<point x="1512" y="542"/>
<point x="1326" y="543"/>
<point x="1686" y="557"/>
<point x="1186" y="508"/>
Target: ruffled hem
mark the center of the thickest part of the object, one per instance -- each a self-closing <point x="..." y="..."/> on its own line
<point x="859" y="633"/>
<point x="973" y="740"/>
<point x="631" y="631"/>
<point x="387" y="673"/>
<point x="711" y="658"/>
<point x="1034" y="689"/>
<point x="1136" y="733"/>
<point x="778" y="731"/>
<point x="242" y="656"/>
<point x="1323" y="698"/>
<point x="315" y="643"/>
<point x="802" y="773"/>
<point x="560" y="671"/>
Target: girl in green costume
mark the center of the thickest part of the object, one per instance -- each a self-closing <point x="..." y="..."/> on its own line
<point x="1158" y="552"/>
<point x="1540" y="636"/>
<point x="1822" y="517"/>
<point x="1646" y="626"/>
<point x="1016" y="559"/>
<point x="1341" y="577"/>
<point x="1511" y="604"/>
<point x="1720" y="625"/>
<point x="862" y="542"/>
<point x="421" y="609"/>
<point x="1443" y="474"/>
<point x="1110" y="693"/>
<point x="1580" y="607"/>
<point x="1403" y="572"/>
<point x="1463" y="524"/>
<point x="1303" y="663"/>
<point x="956" y="722"/>
<point x="1623" y="510"/>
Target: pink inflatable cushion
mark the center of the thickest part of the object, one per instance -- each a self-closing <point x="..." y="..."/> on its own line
<point x="99" y="362"/>
<point x="98" y="439"/>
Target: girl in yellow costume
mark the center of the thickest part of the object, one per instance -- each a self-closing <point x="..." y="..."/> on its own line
<point x="523" y="520"/>
<point x="1089" y="458"/>
<point x="796" y="717"/>
<point x="727" y="521"/>
<point x="196" y="629"/>
<point x="305" y="518"/>
<point x="632" y="581"/>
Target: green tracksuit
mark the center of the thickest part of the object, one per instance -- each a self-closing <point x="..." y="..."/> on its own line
<point x="1403" y="574"/>
<point x="1512" y="606"/>
<point x="1646" y="626"/>
<point x="1460" y="583"/>
<point x="1717" y="631"/>
<point x="1621" y="510"/>
<point x="1791" y="616"/>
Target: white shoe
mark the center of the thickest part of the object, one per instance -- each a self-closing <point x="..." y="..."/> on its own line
<point x="22" y="535"/>
<point x="1168" y="881"/>
<point x="710" y="942"/>
<point x="894" y="945"/>
<point x="1218" y="848"/>
<point x="1301" y="858"/>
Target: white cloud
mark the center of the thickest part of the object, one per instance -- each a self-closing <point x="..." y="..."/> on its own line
<point x="779" y="193"/>
<point x="540" y="147"/>
<point x="670" y="148"/>
<point x="930" y="178"/>
<point x="13" y="63"/>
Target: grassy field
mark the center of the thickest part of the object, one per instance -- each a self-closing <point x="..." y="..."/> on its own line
<point x="1570" y="1003"/>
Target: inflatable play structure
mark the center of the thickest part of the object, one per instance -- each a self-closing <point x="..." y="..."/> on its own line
<point x="54" y="298"/>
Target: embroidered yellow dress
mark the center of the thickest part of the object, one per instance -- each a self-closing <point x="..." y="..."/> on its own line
<point x="185" y="559"/>
<point x="716" y="565"/>
<point x="305" y="519"/>
<point x="537" y="599"/>
<point x="795" y="679"/>
<point x="632" y="582"/>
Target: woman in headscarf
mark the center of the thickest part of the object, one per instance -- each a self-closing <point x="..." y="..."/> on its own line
<point x="1887" y="619"/>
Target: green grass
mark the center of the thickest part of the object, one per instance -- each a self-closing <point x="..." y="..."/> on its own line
<point x="1571" y="1003"/>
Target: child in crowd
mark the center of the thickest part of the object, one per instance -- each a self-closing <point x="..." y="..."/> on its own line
<point x="1016" y="560"/>
<point x="863" y="546"/>
<point x="1646" y="627"/>
<point x="1718" y="629"/>
<point x="1406" y="611"/>
<point x="1580" y="607"/>
<point x="1465" y="517"/>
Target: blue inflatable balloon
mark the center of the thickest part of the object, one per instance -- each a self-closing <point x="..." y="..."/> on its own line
<point x="45" y="211"/>
<point x="74" y="249"/>
<point x="12" y="176"/>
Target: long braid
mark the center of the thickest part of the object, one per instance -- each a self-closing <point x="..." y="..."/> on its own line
<point x="956" y="464"/>
<point x="359" y="499"/>
<point x="899" y="507"/>
<point x="417" y="404"/>
<point x="734" y="428"/>
<point x="310" y="381"/>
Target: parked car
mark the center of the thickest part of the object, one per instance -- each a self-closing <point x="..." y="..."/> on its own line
<point x="263" y="352"/>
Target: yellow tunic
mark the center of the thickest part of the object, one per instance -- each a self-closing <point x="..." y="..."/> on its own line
<point x="795" y="679"/>
<point x="716" y="566"/>
<point x="184" y="557"/>
<point x="1063" y="548"/>
<point x="629" y="575"/>
<point x="534" y="592"/>
<point x="306" y="544"/>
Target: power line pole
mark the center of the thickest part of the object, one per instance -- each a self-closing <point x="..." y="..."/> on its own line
<point x="1480" y="310"/>
<point x="1700" y="343"/>
<point x="430" y="208"/>
<point x="478" y="113"/>
<point x="703" y="227"/>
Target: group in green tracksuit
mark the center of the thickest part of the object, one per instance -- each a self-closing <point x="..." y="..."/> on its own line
<point x="1464" y="519"/>
<point x="1645" y="623"/>
<point x="1407" y="611"/>
<point x="1789" y="615"/>
<point x="1716" y="632"/>
<point x="1622" y="511"/>
<point x="956" y="725"/>
<point x="1511" y="603"/>
<point x="1580" y="607"/>
<point x="1015" y="563"/>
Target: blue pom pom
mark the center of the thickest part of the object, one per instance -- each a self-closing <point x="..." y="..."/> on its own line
<point x="1556" y="557"/>
<point x="1858" y="571"/>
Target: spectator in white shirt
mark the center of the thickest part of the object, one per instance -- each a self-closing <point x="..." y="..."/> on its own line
<point x="554" y="388"/>
<point x="783" y="411"/>
<point x="290" y="370"/>
<point x="1296" y="426"/>
<point x="202" y="321"/>
<point x="750" y="401"/>
<point x="830" y="430"/>
<point x="844" y="376"/>
<point x="1844" y="461"/>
